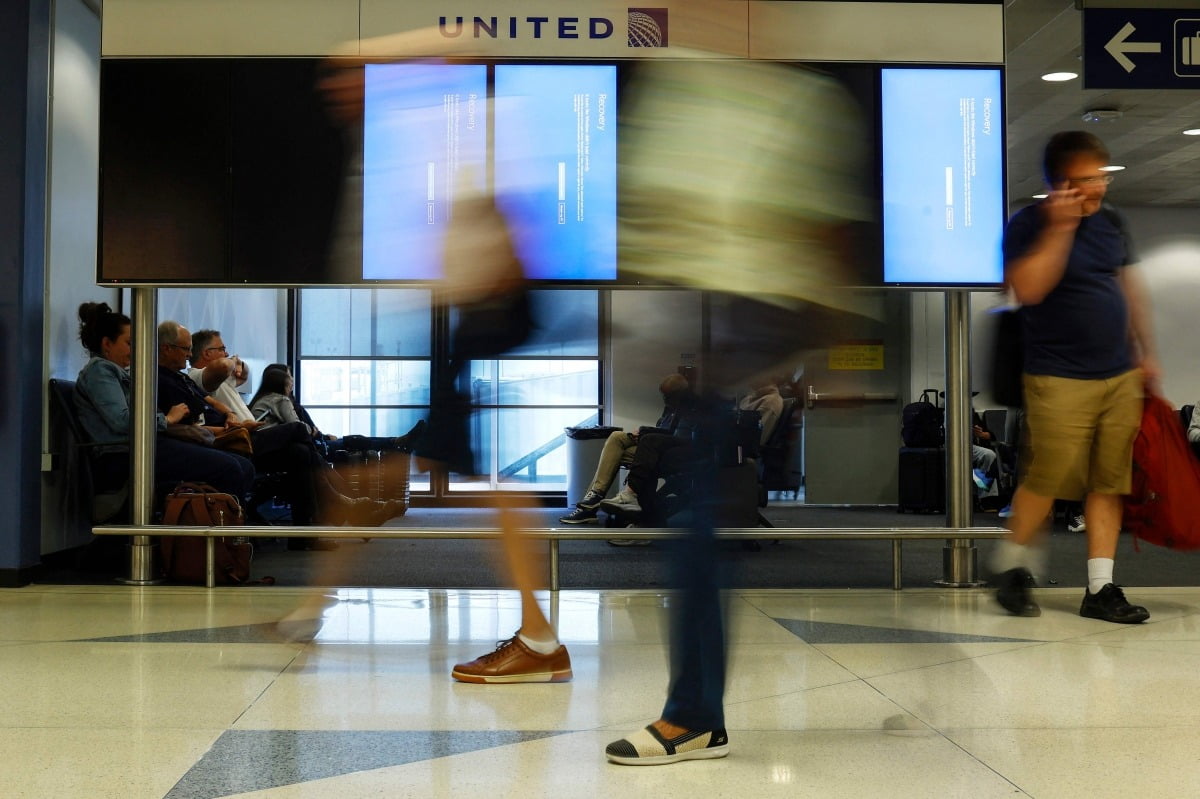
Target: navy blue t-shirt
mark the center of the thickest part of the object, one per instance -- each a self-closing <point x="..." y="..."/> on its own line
<point x="1081" y="329"/>
<point x="176" y="387"/>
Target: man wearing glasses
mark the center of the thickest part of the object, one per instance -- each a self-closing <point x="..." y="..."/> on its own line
<point x="1089" y="353"/>
<point x="218" y="373"/>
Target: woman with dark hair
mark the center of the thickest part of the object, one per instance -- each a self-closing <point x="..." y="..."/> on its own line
<point x="102" y="399"/>
<point x="272" y="403"/>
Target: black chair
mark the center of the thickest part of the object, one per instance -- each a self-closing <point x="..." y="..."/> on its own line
<point x="97" y="482"/>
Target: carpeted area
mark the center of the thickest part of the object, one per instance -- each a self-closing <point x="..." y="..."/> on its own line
<point x="597" y="565"/>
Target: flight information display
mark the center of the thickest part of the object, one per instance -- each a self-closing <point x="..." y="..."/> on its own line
<point x="556" y="167"/>
<point x="543" y="144"/>
<point x="424" y="140"/>
<point x="943" y="176"/>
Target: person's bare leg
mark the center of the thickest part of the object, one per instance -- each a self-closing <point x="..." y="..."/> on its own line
<point x="1028" y="521"/>
<point x="1102" y="513"/>
<point x="526" y="567"/>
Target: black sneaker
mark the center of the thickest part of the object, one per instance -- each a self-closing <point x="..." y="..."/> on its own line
<point x="1109" y="604"/>
<point x="1012" y="592"/>
<point x="580" y="515"/>
<point x="591" y="500"/>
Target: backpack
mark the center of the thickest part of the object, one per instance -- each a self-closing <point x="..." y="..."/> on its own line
<point x="184" y="558"/>
<point x="1161" y="507"/>
<point x="922" y="424"/>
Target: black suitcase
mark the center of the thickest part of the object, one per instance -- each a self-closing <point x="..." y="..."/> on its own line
<point x="922" y="480"/>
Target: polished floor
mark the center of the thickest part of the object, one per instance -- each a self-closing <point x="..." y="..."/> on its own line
<point x="272" y="693"/>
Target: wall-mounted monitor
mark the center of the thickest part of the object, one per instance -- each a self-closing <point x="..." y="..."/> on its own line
<point x="240" y="172"/>
<point x="942" y="147"/>
<point x="540" y="138"/>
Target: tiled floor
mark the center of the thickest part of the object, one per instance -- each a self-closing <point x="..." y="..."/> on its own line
<point x="176" y="692"/>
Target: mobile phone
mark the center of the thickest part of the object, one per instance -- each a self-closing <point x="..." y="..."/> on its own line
<point x="262" y="414"/>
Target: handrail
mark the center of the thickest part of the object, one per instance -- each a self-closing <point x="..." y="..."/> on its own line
<point x="554" y="535"/>
<point x="812" y="398"/>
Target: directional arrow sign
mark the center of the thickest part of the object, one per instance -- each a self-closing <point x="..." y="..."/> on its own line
<point x="1138" y="48"/>
<point x="1119" y="45"/>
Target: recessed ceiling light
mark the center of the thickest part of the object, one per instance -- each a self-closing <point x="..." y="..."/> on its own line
<point x="1058" y="77"/>
<point x="1192" y="132"/>
<point x="1111" y="168"/>
<point x="1040" y="196"/>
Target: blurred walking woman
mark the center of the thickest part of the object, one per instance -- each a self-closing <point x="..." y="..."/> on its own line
<point x="102" y="393"/>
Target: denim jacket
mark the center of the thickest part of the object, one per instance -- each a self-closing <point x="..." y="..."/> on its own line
<point x="102" y="399"/>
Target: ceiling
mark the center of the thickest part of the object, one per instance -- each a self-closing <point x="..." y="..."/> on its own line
<point x="1162" y="166"/>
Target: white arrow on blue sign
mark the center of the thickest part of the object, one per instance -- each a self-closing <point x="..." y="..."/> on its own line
<point x="1137" y="48"/>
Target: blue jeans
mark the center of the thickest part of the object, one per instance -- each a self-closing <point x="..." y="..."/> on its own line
<point x="696" y="696"/>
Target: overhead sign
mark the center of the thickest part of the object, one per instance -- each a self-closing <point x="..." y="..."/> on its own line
<point x="1139" y="48"/>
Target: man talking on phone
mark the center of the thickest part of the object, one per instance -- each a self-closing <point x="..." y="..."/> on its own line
<point x="1089" y="355"/>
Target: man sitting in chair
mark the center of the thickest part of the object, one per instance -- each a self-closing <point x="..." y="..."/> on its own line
<point x="621" y="447"/>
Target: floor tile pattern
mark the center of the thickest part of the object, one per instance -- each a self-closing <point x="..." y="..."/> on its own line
<point x="280" y="693"/>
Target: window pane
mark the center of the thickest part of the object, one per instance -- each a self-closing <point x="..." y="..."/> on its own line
<point x="535" y="382"/>
<point x="522" y="448"/>
<point x="364" y="383"/>
<point x="364" y="322"/>
<point x="566" y="323"/>
<point x="367" y="421"/>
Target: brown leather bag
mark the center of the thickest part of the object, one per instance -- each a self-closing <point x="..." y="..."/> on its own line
<point x="184" y="557"/>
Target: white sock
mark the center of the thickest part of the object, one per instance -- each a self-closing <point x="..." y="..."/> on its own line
<point x="1100" y="573"/>
<point x="542" y="647"/>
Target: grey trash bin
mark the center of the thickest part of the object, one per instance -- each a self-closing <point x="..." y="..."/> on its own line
<point x="584" y="445"/>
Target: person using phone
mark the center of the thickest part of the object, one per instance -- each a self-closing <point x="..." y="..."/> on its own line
<point x="1089" y="354"/>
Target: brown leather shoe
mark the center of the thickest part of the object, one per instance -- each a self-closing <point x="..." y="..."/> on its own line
<point x="512" y="661"/>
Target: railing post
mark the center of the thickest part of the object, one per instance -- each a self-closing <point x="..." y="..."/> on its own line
<point x="959" y="555"/>
<point x="142" y="433"/>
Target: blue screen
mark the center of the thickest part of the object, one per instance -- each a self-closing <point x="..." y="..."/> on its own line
<point x="424" y="136"/>
<point x="555" y="159"/>
<point x="551" y="164"/>
<point x="943" y="176"/>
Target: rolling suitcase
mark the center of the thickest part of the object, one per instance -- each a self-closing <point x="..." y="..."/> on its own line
<point x="922" y="480"/>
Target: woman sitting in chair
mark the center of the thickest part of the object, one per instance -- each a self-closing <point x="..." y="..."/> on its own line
<point x="102" y="399"/>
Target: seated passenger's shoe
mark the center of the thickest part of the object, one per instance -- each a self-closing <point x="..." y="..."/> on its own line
<point x="648" y="747"/>
<point x="591" y="500"/>
<point x="512" y="662"/>
<point x="1077" y="524"/>
<point x="624" y="502"/>
<point x="580" y="515"/>
<point x="408" y="441"/>
<point x="1013" y="593"/>
<point x="1110" y="605"/>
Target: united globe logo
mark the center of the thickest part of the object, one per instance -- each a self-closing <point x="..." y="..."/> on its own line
<point x="647" y="27"/>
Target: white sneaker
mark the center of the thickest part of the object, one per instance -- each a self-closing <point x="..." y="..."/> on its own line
<point x="1077" y="524"/>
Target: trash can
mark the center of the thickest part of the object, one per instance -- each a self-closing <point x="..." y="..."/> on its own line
<point x="584" y="445"/>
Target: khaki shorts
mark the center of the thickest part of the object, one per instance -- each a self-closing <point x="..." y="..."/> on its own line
<point x="1077" y="437"/>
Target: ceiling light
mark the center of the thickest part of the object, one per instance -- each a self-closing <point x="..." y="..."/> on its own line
<point x="1040" y="196"/>
<point x="1192" y="132"/>
<point x="1111" y="168"/>
<point x="1058" y="77"/>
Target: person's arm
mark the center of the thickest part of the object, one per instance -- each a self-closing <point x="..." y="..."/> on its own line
<point x="282" y="407"/>
<point x="107" y="396"/>
<point x="1141" y="326"/>
<point x="1040" y="268"/>
<point x="212" y="375"/>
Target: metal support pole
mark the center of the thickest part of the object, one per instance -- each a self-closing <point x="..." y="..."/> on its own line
<point x="959" y="556"/>
<point x="553" y="564"/>
<point x="142" y="433"/>
<point x="897" y="564"/>
<point x="210" y="562"/>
